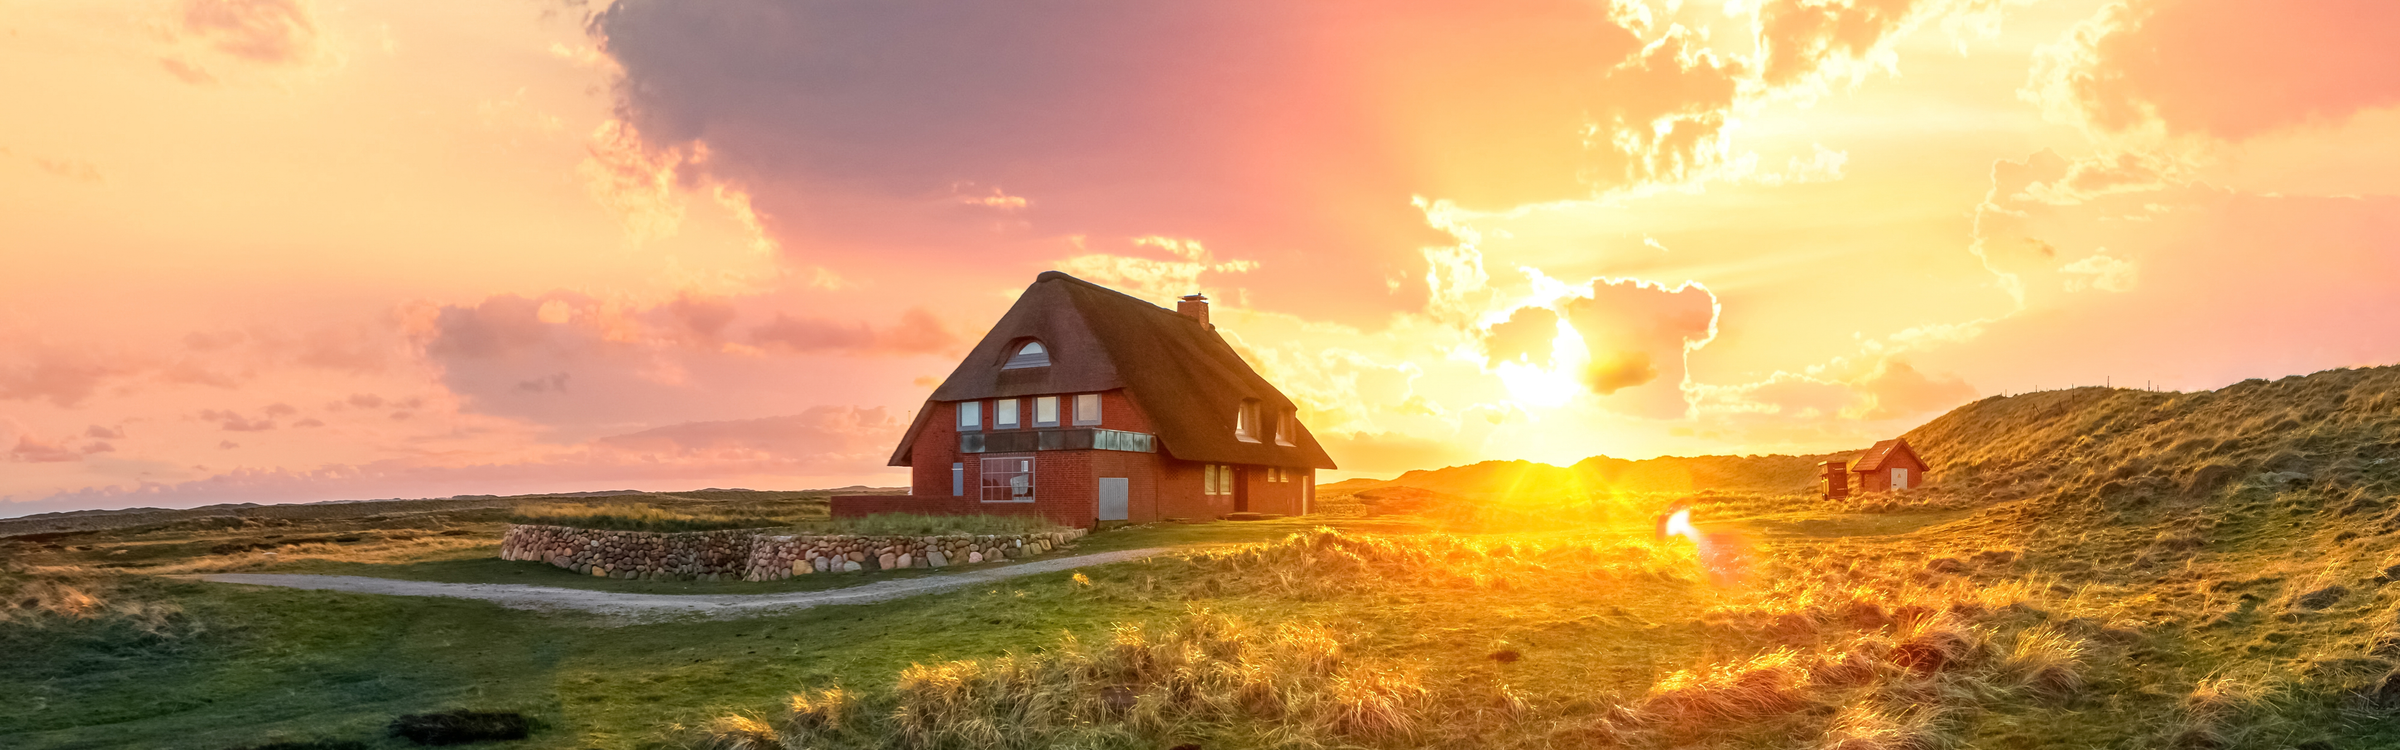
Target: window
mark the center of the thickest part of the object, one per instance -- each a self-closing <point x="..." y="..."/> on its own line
<point x="1087" y="409"/>
<point x="1218" y="479"/>
<point x="1287" y="428"/>
<point x="1245" y="421"/>
<point x="1045" y="411"/>
<point x="1008" y="479"/>
<point x="1004" y="413"/>
<point x="970" y="415"/>
<point x="958" y="480"/>
<point x="1120" y="440"/>
<point x="1029" y="354"/>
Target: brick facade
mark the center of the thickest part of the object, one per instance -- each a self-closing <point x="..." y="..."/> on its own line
<point x="1066" y="483"/>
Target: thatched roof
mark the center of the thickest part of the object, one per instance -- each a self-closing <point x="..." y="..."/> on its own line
<point x="1889" y="453"/>
<point x="1183" y="375"/>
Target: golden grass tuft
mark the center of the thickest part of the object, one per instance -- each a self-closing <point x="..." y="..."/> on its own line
<point x="1763" y="686"/>
<point x="739" y="733"/>
<point x="2046" y="662"/>
<point x="1877" y="726"/>
<point x="44" y="597"/>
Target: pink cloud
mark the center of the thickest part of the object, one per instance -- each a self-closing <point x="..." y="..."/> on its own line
<point x="1292" y="135"/>
<point x="61" y="375"/>
<point x="30" y="449"/>
<point x="819" y="447"/>
<point x="273" y="32"/>
<point x="2229" y="69"/>
<point x="917" y="332"/>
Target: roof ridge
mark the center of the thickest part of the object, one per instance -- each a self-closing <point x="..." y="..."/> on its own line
<point x="1155" y="308"/>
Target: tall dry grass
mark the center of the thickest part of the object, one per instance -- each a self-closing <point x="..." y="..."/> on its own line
<point x="1324" y="562"/>
<point x="1890" y="659"/>
<point x="67" y="597"/>
<point x="1201" y="674"/>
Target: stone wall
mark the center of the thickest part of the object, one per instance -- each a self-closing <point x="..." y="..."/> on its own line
<point x="754" y="555"/>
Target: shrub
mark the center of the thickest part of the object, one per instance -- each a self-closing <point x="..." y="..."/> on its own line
<point x="461" y="727"/>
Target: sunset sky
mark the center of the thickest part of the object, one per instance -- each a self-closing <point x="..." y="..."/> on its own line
<point x="285" y="250"/>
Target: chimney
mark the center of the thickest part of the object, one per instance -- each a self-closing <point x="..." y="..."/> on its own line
<point x="1195" y="306"/>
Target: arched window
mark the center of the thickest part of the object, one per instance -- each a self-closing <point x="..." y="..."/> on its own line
<point x="1028" y="354"/>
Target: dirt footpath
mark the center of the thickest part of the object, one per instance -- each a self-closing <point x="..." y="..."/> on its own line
<point x="630" y="607"/>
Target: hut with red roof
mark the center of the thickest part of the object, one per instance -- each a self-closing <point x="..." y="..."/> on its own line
<point x="1890" y="465"/>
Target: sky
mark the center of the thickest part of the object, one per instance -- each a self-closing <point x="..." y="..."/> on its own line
<point x="297" y="250"/>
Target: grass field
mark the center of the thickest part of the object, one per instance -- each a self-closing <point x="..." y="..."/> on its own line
<point x="1591" y="621"/>
<point x="2097" y="569"/>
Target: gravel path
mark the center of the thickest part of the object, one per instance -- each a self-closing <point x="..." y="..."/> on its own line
<point x="617" y="605"/>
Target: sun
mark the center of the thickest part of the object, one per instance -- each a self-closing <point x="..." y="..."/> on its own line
<point x="1551" y="385"/>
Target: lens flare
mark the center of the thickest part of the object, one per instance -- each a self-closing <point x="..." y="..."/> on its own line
<point x="1722" y="554"/>
<point x="1681" y="524"/>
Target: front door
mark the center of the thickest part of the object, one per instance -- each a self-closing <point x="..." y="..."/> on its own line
<point x="1241" y="490"/>
<point x="1116" y="495"/>
<point x="1899" y="479"/>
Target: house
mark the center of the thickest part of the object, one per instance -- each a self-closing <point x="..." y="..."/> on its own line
<point x="1890" y="465"/>
<point x="1086" y="405"/>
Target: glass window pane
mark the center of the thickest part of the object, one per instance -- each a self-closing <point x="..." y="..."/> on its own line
<point x="1007" y="479"/>
<point x="970" y="415"/>
<point x="1087" y="408"/>
<point x="1045" y="410"/>
<point x="1004" y="413"/>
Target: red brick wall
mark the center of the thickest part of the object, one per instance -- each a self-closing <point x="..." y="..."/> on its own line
<point x="1274" y="497"/>
<point x="1181" y="492"/>
<point x="1066" y="486"/>
<point x="936" y="448"/>
<point x="1140" y="471"/>
<point x="854" y="506"/>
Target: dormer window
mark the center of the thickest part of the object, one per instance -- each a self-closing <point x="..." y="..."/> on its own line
<point x="1245" y="422"/>
<point x="1287" y="428"/>
<point x="1028" y="354"/>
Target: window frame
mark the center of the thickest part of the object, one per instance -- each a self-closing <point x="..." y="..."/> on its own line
<point x="1041" y="403"/>
<point x="1245" y="421"/>
<point x="1018" y="360"/>
<point x="1087" y="420"/>
<point x="1287" y="424"/>
<point x="988" y="480"/>
<point x="967" y="409"/>
<point x="1010" y="408"/>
